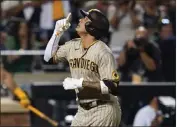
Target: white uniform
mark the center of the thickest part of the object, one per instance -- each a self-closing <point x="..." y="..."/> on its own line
<point x="144" y="116"/>
<point x="93" y="64"/>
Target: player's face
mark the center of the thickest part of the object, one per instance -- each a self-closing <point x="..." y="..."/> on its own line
<point x="81" y="25"/>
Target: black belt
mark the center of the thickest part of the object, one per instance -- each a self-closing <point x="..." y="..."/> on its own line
<point x="89" y="105"/>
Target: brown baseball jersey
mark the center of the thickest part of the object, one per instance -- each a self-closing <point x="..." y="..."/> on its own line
<point x="93" y="64"/>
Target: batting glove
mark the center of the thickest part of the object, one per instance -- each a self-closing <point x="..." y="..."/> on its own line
<point x="52" y="46"/>
<point x="72" y="83"/>
<point x="62" y="25"/>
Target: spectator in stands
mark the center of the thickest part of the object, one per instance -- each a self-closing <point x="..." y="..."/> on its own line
<point x="151" y="14"/>
<point x="171" y="14"/>
<point x="29" y="10"/>
<point x="7" y="79"/>
<point x="167" y="45"/>
<point x="3" y="37"/>
<point x="16" y="8"/>
<point x="12" y="8"/>
<point x="148" y="115"/>
<point x="141" y="57"/>
<point x="22" y="40"/>
<point x="124" y="19"/>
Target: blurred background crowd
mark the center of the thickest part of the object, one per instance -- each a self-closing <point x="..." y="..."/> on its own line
<point x="135" y="26"/>
<point x="142" y="36"/>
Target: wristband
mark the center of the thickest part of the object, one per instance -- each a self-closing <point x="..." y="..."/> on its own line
<point x="104" y="88"/>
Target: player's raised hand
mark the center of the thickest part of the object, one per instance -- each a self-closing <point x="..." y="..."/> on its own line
<point x="63" y="24"/>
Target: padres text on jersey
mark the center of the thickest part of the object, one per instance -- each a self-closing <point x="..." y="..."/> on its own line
<point x="84" y="64"/>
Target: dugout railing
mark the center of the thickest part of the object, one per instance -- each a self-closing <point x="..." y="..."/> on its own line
<point x="52" y="99"/>
<point x="130" y="96"/>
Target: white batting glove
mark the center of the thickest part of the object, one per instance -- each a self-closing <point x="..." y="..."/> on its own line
<point x="62" y="25"/>
<point x="52" y="46"/>
<point x="72" y="83"/>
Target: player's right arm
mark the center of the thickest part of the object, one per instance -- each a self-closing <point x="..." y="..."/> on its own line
<point x="53" y="52"/>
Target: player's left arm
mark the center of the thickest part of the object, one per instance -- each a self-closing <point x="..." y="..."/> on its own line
<point x="105" y="86"/>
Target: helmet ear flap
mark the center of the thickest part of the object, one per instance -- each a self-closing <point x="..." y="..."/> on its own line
<point x="89" y="28"/>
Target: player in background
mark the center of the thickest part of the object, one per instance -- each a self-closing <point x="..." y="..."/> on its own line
<point x="93" y="69"/>
<point x="7" y="79"/>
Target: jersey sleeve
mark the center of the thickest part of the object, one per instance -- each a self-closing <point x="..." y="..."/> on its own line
<point x="62" y="52"/>
<point x="107" y="67"/>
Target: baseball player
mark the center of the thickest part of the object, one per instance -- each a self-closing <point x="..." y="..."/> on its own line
<point x="93" y="69"/>
<point x="7" y="79"/>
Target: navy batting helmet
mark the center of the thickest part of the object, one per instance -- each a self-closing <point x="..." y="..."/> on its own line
<point x="99" y="24"/>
